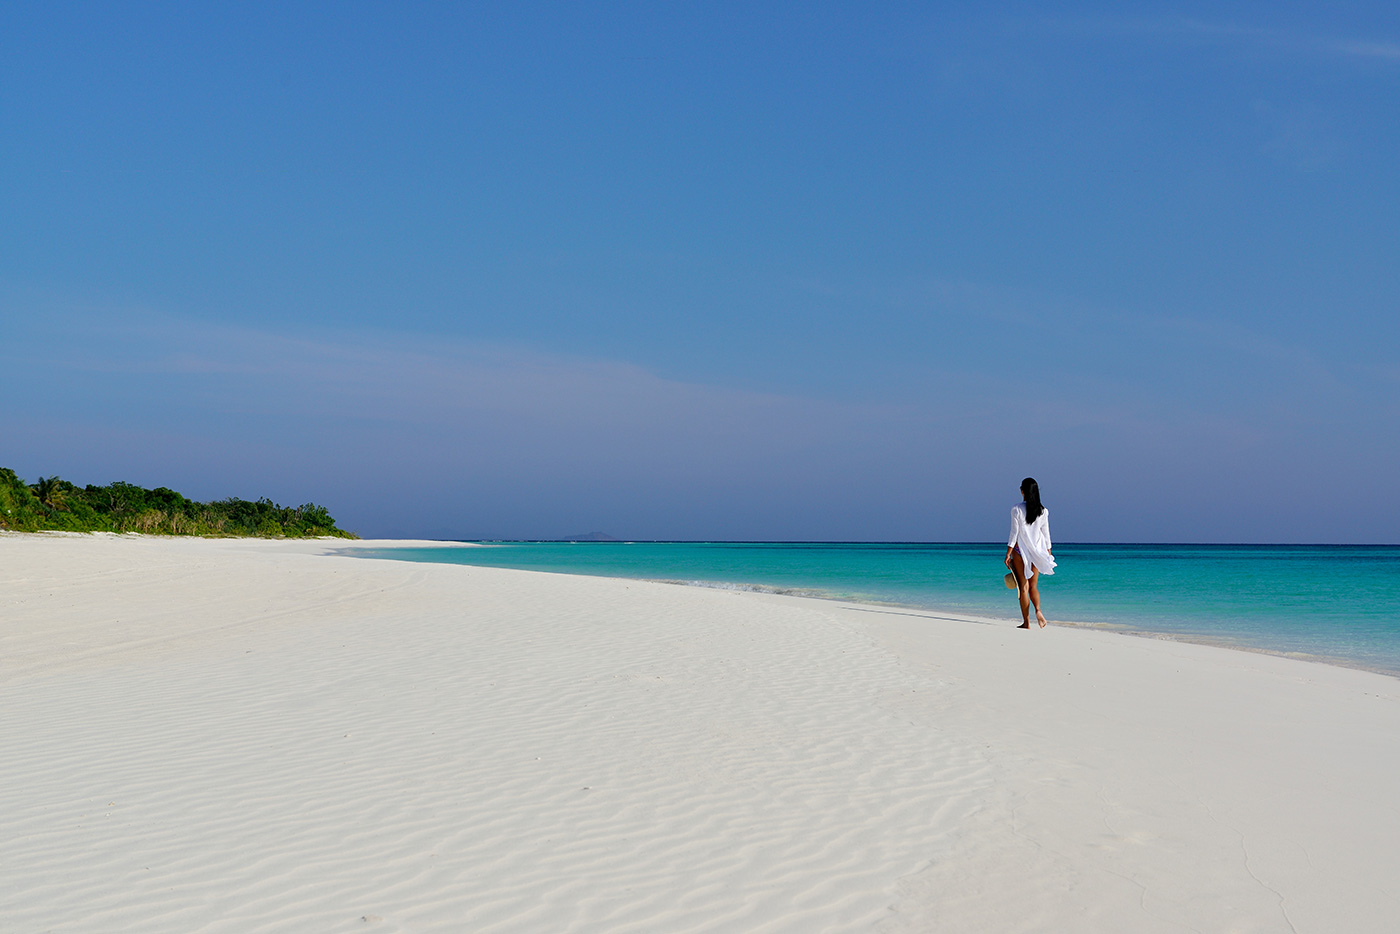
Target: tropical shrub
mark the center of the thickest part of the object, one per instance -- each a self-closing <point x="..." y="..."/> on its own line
<point x="56" y="504"/>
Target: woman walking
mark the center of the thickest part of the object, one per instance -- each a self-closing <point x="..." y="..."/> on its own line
<point x="1028" y="550"/>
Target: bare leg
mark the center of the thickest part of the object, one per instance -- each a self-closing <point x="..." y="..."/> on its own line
<point x="1033" y="586"/>
<point x="1018" y="567"/>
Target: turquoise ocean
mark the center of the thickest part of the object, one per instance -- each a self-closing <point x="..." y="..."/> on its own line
<point x="1333" y="603"/>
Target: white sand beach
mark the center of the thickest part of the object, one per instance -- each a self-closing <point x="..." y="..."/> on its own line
<point x="248" y="736"/>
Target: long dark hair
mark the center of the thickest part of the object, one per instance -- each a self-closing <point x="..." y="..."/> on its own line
<point x="1031" y="491"/>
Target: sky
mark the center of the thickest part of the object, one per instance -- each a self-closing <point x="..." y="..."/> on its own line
<point x="780" y="271"/>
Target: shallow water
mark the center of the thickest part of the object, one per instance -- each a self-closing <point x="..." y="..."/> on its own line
<point x="1338" y="603"/>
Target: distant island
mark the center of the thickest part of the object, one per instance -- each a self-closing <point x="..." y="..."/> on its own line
<point x="56" y="505"/>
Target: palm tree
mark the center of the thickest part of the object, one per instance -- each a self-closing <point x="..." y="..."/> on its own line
<point x="50" y="492"/>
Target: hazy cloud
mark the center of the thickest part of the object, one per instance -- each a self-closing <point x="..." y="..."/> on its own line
<point x="408" y="435"/>
<point x="1385" y="50"/>
<point x="1281" y="40"/>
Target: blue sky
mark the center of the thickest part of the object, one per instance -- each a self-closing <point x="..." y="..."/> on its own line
<point x="777" y="271"/>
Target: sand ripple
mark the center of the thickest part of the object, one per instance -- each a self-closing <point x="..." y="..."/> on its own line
<point x="329" y="744"/>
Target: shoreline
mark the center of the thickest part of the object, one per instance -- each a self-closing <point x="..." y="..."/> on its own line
<point x="1128" y="629"/>
<point x="1125" y="629"/>
<point x="262" y="736"/>
<point x="1122" y="629"/>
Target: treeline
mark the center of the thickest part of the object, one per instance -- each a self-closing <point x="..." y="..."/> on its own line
<point x="54" y="504"/>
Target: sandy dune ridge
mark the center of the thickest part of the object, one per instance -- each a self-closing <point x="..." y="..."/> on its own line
<point x="265" y="736"/>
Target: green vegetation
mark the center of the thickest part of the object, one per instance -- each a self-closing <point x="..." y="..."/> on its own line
<point x="54" y="504"/>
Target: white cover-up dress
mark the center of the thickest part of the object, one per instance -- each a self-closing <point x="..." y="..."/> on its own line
<point x="1033" y="539"/>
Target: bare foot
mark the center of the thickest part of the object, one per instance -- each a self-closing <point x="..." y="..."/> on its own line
<point x="1039" y="618"/>
<point x="1026" y="625"/>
